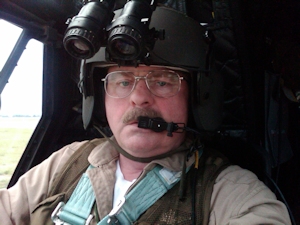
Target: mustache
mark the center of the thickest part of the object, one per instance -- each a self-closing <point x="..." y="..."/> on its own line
<point x="135" y="113"/>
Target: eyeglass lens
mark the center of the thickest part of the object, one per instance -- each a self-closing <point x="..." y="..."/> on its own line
<point x="120" y="84"/>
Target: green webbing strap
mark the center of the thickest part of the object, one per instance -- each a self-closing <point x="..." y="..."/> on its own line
<point x="78" y="208"/>
<point x="156" y="183"/>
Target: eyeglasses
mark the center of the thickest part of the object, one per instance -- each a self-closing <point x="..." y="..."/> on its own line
<point x="161" y="83"/>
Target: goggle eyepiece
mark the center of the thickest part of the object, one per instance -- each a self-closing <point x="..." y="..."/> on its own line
<point x="86" y="31"/>
<point x="129" y="36"/>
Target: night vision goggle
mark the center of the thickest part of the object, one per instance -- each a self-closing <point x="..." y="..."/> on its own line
<point x="139" y="33"/>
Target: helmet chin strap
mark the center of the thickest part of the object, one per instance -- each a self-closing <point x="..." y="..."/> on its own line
<point x="157" y="125"/>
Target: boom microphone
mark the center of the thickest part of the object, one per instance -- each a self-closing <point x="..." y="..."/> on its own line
<point x="158" y="125"/>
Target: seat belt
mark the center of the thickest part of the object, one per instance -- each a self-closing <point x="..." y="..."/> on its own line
<point x="152" y="187"/>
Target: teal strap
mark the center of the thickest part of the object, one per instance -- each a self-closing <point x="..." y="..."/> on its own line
<point x="147" y="192"/>
<point x="77" y="210"/>
<point x="156" y="183"/>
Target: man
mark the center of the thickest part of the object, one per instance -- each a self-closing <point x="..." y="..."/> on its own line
<point x="137" y="162"/>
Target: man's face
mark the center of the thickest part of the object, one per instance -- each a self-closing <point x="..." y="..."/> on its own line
<point x="122" y="112"/>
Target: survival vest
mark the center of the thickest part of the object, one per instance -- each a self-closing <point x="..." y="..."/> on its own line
<point x="193" y="208"/>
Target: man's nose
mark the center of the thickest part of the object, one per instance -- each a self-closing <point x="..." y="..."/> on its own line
<point x="141" y="84"/>
<point x="141" y="95"/>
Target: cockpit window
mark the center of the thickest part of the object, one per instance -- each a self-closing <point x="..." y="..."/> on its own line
<point x="21" y="99"/>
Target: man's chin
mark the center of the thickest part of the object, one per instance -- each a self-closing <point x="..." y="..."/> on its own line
<point x="140" y="142"/>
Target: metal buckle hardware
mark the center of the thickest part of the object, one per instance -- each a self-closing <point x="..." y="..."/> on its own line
<point x="112" y="215"/>
<point x="57" y="221"/>
<point x="89" y="219"/>
<point x="55" y="214"/>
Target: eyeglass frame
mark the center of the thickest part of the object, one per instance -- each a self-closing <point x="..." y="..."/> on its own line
<point x="138" y="78"/>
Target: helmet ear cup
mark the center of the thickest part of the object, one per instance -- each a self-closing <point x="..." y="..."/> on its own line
<point x="99" y="113"/>
<point x="87" y="110"/>
<point x="91" y="87"/>
<point x="207" y="100"/>
<point x="87" y="90"/>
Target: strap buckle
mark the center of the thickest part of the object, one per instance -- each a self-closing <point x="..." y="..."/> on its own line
<point x="55" y="214"/>
<point x="112" y="215"/>
<point x="57" y="221"/>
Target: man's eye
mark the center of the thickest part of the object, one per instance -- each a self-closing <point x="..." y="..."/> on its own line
<point x="123" y="83"/>
<point x="161" y="83"/>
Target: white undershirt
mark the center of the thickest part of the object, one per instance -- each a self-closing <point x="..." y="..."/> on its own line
<point x="121" y="185"/>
